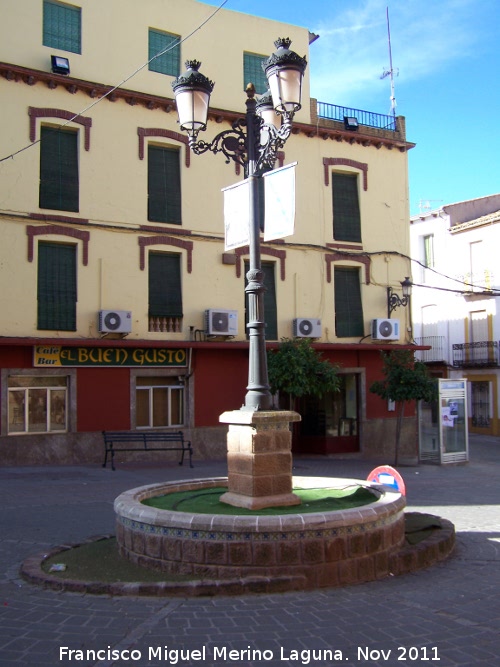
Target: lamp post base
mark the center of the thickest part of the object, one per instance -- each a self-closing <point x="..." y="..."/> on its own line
<point x="259" y="458"/>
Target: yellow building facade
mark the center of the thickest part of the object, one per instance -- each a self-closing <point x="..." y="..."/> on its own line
<point x="100" y="193"/>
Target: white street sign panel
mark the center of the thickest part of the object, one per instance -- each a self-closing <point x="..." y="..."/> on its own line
<point x="280" y="202"/>
<point x="236" y="215"/>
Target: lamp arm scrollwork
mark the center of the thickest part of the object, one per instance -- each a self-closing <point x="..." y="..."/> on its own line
<point x="233" y="143"/>
<point x="395" y="301"/>
<point x="271" y="141"/>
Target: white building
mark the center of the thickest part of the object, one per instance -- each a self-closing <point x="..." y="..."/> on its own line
<point x="455" y="300"/>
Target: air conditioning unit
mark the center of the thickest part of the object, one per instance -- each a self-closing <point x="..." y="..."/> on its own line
<point x="306" y="327"/>
<point x="221" y="322"/>
<point x="115" y="321"/>
<point x="385" y="329"/>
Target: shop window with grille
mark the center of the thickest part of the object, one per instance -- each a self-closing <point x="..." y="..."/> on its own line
<point x="37" y="404"/>
<point x="159" y="402"/>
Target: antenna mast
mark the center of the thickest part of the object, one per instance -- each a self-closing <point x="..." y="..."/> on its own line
<point x="390" y="71"/>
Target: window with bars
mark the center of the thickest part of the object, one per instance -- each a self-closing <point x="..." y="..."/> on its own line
<point x="56" y="289"/>
<point x="165" y="292"/>
<point x="62" y="26"/>
<point x="159" y="402"/>
<point x="346" y="214"/>
<point x="164" y="185"/>
<point x="253" y="72"/>
<point x="59" y="182"/>
<point x="270" y="303"/>
<point x="37" y="404"/>
<point x="348" y="307"/>
<point x="169" y="47"/>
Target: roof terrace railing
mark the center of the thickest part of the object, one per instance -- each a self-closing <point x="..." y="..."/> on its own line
<point x="334" y="112"/>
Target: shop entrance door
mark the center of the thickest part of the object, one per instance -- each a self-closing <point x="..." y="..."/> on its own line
<point x="330" y="424"/>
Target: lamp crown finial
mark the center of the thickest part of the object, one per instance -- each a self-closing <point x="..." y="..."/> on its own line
<point x="283" y="42"/>
<point x="192" y="78"/>
<point x="193" y="64"/>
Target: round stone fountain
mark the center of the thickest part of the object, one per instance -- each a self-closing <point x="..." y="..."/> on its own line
<point x="302" y="550"/>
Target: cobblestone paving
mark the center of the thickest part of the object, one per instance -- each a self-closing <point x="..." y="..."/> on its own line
<point x="449" y="612"/>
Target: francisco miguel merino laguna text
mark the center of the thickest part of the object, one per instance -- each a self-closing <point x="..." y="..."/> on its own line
<point x="222" y="653"/>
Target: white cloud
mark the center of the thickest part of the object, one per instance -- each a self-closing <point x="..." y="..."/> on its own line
<point x="348" y="60"/>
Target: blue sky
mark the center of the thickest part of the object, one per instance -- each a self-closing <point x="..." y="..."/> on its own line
<point x="446" y="55"/>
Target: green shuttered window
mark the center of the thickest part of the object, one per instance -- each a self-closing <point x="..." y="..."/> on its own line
<point x="57" y="294"/>
<point x="165" y="292"/>
<point x="348" y="307"/>
<point x="59" y="187"/>
<point x="253" y="72"/>
<point x="346" y="217"/>
<point x="164" y="185"/>
<point x="62" y="26"/>
<point x="270" y="304"/>
<point x="168" y="62"/>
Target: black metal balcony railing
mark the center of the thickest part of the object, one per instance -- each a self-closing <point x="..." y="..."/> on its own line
<point x="483" y="354"/>
<point x="334" y="112"/>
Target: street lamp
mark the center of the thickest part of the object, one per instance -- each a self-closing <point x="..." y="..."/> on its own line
<point x="253" y="143"/>
<point x="394" y="300"/>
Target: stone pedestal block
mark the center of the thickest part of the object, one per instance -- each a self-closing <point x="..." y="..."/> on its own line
<point x="259" y="458"/>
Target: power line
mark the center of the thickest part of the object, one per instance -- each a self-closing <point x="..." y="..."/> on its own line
<point x="119" y="85"/>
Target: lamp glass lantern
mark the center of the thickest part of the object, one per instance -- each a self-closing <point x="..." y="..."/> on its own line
<point x="265" y="109"/>
<point x="285" y="72"/>
<point x="192" y="92"/>
<point x="406" y="286"/>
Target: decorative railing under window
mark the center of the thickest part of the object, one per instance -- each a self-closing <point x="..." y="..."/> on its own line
<point x="165" y="324"/>
<point x="483" y="354"/>
<point x="437" y="351"/>
<point x="334" y="112"/>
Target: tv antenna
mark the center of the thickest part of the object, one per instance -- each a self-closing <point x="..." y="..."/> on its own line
<point x="391" y="71"/>
<point x="425" y="204"/>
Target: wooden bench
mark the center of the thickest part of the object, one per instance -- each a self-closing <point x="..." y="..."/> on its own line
<point x="145" y="441"/>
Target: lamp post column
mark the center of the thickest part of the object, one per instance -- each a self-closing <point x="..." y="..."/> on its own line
<point x="258" y="396"/>
<point x="259" y="457"/>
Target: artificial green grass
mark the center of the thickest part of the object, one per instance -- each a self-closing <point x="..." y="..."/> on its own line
<point x="100" y="561"/>
<point x="419" y="527"/>
<point x="207" y="501"/>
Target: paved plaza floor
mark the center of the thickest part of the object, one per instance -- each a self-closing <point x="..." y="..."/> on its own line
<point x="446" y="615"/>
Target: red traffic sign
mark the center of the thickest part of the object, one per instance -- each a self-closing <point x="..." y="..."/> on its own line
<point x="388" y="476"/>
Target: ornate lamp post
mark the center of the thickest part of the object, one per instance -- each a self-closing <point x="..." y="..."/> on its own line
<point x="253" y="143"/>
<point x="394" y="300"/>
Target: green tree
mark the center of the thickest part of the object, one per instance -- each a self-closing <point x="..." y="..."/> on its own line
<point x="296" y="369"/>
<point x="405" y="380"/>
